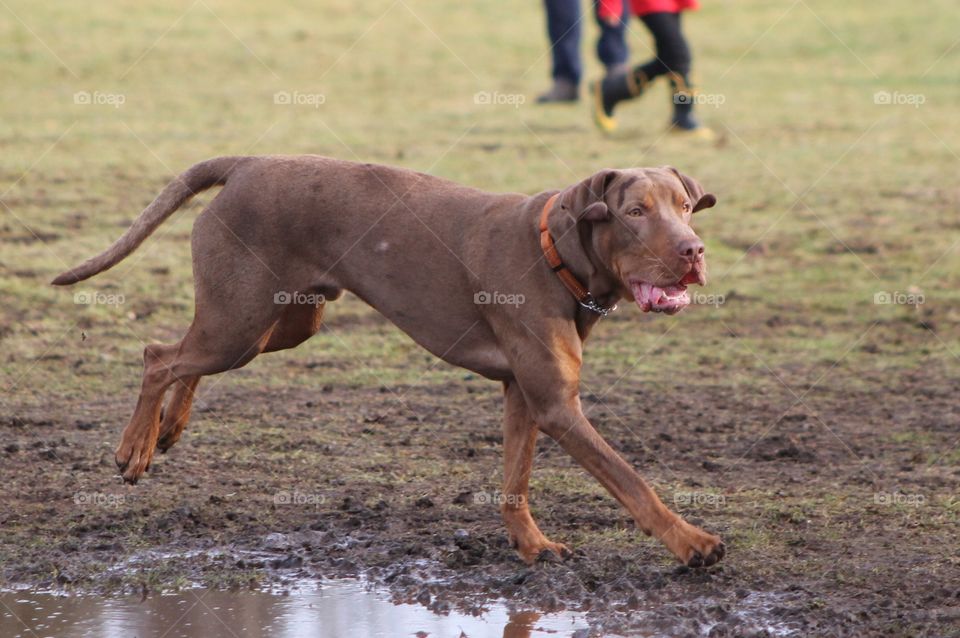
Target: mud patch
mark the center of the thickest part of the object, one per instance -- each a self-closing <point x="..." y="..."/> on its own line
<point x="819" y="510"/>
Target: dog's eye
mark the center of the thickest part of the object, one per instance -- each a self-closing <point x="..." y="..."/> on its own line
<point x="686" y="207"/>
<point x="635" y="212"/>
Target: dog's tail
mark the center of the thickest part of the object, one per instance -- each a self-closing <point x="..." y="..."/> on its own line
<point x="197" y="178"/>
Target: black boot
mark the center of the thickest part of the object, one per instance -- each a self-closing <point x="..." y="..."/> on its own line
<point x="683" y="117"/>
<point x="613" y="89"/>
<point x="683" y="120"/>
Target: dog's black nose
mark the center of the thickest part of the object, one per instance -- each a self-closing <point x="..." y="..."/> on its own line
<point x="691" y="248"/>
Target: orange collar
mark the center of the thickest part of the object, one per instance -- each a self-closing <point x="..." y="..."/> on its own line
<point x="567" y="278"/>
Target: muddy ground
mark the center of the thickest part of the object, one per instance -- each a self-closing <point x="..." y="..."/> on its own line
<point x="809" y="416"/>
<point x="838" y="506"/>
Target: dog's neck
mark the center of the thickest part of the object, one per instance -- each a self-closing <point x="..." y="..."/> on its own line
<point x="603" y="283"/>
<point x="573" y="242"/>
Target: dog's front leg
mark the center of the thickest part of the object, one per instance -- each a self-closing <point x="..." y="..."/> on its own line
<point x="519" y="444"/>
<point x="549" y="378"/>
<point x="567" y="425"/>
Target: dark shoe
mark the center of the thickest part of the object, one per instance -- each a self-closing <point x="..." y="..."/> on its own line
<point x="683" y="100"/>
<point x="686" y="121"/>
<point x="609" y="91"/>
<point x="562" y="91"/>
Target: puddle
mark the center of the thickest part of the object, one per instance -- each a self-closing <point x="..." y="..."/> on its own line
<point x="334" y="609"/>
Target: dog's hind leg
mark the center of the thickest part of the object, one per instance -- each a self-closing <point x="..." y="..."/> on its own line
<point x="139" y="438"/>
<point x="232" y="325"/>
<point x="519" y="445"/>
<point x="209" y="347"/>
<point x="297" y="323"/>
<point x="175" y="415"/>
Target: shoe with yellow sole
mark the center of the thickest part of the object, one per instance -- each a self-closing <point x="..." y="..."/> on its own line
<point x="684" y="122"/>
<point x="602" y="117"/>
<point x="605" y="94"/>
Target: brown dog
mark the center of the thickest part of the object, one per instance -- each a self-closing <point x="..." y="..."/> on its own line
<point x="505" y="285"/>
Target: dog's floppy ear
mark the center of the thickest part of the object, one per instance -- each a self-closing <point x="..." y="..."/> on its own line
<point x="586" y="200"/>
<point x="700" y="199"/>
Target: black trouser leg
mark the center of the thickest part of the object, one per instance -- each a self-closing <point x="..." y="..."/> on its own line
<point x="672" y="59"/>
<point x="673" y="54"/>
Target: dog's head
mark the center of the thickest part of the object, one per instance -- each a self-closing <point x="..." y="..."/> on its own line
<point x="639" y="226"/>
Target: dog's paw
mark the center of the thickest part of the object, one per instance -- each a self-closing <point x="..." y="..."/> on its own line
<point x="717" y="552"/>
<point x="532" y="549"/>
<point x="692" y="546"/>
<point x="172" y="425"/>
<point x="133" y="459"/>
<point x="168" y="438"/>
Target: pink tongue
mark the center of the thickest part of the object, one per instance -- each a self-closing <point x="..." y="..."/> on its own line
<point x="653" y="293"/>
<point x="648" y="296"/>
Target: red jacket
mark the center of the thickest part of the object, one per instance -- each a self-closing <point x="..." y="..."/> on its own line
<point x="614" y="8"/>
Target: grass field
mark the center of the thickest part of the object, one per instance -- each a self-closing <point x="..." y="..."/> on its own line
<point x="815" y="425"/>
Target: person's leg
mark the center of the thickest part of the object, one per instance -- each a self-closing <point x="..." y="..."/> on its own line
<point x="677" y="60"/>
<point x="673" y="54"/>
<point x="612" y="44"/>
<point x="614" y="89"/>
<point x="563" y="28"/>
<point x="672" y="60"/>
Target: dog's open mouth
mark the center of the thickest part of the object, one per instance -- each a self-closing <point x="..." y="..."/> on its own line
<point x="669" y="299"/>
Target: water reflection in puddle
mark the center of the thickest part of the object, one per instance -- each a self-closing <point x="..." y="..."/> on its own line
<point x="338" y="609"/>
